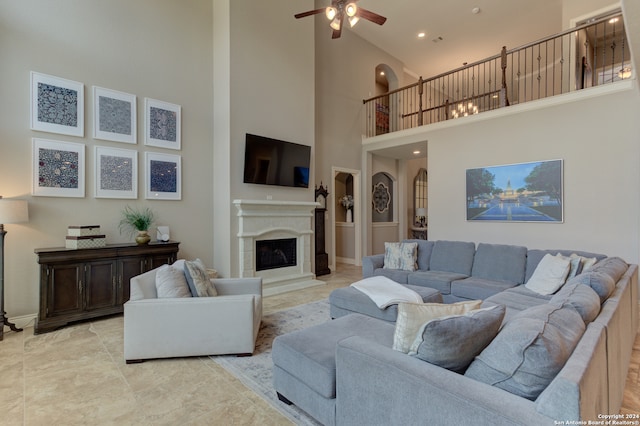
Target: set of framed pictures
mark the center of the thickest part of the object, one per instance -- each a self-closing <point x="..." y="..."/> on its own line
<point x="57" y="106"/>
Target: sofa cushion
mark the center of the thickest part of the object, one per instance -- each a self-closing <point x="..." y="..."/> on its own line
<point x="347" y="300"/>
<point x="530" y="350"/>
<point x="550" y="274"/>
<point x="309" y="354"/>
<point x="412" y="315"/>
<point x="396" y="275"/>
<point x="171" y="282"/>
<point x="198" y="279"/>
<point x="581" y="297"/>
<point x="425" y="247"/>
<point x="500" y="262"/>
<point x="401" y="256"/>
<point x="600" y="282"/>
<point x="452" y="256"/>
<point x="478" y="288"/>
<point x="439" y="280"/>
<point x="516" y="299"/>
<point x="612" y="266"/>
<point x="452" y="342"/>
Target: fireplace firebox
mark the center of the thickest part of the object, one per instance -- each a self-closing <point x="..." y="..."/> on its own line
<point x="272" y="254"/>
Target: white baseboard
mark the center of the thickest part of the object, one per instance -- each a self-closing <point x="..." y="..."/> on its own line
<point x="348" y="260"/>
<point x="24" y="320"/>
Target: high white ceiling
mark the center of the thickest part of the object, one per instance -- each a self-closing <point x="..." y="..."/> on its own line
<point x="466" y="37"/>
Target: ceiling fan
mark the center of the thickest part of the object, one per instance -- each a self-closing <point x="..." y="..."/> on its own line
<point x="341" y="9"/>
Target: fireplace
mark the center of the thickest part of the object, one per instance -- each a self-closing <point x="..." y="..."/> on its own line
<point x="274" y="242"/>
<point x="272" y="254"/>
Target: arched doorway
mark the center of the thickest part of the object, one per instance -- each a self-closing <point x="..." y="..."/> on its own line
<point x="346" y="244"/>
<point x="385" y="81"/>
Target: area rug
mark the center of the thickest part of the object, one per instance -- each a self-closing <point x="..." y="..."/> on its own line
<point x="256" y="372"/>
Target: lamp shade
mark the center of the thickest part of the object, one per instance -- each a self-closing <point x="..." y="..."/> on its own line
<point x="13" y="211"/>
<point x="421" y="211"/>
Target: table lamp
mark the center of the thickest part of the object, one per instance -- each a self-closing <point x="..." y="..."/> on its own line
<point x="11" y="211"/>
<point x="421" y="214"/>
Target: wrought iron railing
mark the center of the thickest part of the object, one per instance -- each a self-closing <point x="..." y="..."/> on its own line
<point x="591" y="54"/>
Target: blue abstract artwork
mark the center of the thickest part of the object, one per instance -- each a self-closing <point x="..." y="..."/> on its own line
<point x="116" y="173"/>
<point x="57" y="105"/>
<point x="163" y="124"/>
<point x="115" y="115"/>
<point x="58" y="168"/>
<point x="163" y="176"/>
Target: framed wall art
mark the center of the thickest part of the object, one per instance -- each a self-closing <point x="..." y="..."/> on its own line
<point x="58" y="168"/>
<point x="163" y="176"/>
<point x="524" y="192"/>
<point x="162" y="124"/>
<point x="116" y="173"/>
<point x="114" y="115"/>
<point x="57" y="105"/>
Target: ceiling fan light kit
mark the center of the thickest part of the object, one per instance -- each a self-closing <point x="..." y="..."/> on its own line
<point x="336" y="15"/>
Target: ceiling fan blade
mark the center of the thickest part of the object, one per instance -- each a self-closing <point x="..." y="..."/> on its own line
<point x="309" y="13"/>
<point x="337" y="33"/>
<point x="371" y="16"/>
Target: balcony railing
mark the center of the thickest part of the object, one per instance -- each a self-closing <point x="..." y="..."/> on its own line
<point x="588" y="55"/>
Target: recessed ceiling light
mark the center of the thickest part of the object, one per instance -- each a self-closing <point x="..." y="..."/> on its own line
<point x="421" y="34"/>
<point x="475" y="10"/>
<point x="416" y="152"/>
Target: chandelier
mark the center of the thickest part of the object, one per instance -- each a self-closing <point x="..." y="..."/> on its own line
<point x="465" y="107"/>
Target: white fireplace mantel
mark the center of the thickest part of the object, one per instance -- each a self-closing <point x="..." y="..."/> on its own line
<point x="267" y="219"/>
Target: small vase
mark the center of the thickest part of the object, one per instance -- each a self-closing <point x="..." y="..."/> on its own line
<point x="143" y="237"/>
<point x="349" y="215"/>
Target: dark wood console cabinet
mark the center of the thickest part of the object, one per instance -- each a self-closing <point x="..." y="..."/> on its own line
<point x="88" y="283"/>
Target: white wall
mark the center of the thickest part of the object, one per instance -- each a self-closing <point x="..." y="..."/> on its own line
<point x="598" y="140"/>
<point x="160" y="49"/>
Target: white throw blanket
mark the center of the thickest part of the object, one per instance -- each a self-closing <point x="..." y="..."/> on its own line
<point x="384" y="291"/>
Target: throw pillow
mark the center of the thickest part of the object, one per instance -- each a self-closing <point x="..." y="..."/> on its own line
<point x="171" y="282"/>
<point x="401" y="256"/>
<point x="549" y="275"/>
<point x="198" y="279"/>
<point x="574" y="263"/>
<point x="411" y="316"/>
<point x="530" y="350"/>
<point x="452" y="342"/>
<point x="585" y="262"/>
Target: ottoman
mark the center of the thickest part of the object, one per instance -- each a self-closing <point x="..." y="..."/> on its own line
<point x="347" y="300"/>
<point x="304" y="362"/>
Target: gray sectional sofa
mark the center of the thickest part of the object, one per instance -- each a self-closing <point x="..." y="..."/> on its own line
<point x="345" y="372"/>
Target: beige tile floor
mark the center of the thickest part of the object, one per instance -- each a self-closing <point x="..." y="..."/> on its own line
<point x="77" y="376"/>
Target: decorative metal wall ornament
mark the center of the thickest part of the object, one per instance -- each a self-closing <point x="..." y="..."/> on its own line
<point x="381" y="197"/>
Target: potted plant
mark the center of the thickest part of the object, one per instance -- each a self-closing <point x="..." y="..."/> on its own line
<point x="137" y="221"/>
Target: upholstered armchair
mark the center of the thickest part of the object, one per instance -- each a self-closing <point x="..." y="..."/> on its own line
<point x="191" y="326"/>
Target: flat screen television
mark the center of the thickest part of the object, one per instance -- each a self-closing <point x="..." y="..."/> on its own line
<point x="270" y="161"/>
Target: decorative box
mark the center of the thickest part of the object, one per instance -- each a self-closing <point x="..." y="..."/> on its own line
<point x="85" y="241"/>
<point x="81" y="231"/>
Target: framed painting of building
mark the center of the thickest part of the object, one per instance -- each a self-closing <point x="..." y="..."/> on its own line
<point x="524" y="192"/>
